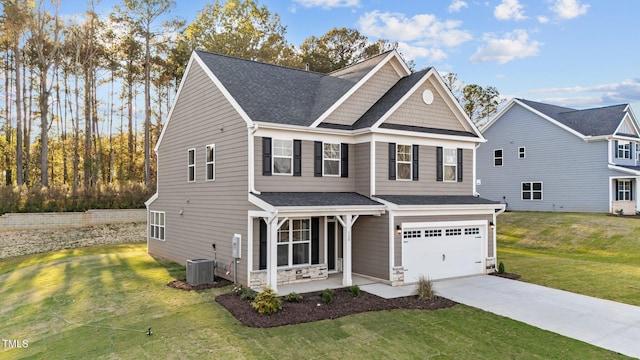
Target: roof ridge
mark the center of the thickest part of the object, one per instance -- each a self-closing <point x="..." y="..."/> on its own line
<point x="261" y="62"/>
<point x="360" y="62"/>
<point x="595" y="108"/>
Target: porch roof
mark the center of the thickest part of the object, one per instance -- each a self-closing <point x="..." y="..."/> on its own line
<point x="631" y="170"/>
<point x="317" y="199"/>
<point x="436" y="200"/>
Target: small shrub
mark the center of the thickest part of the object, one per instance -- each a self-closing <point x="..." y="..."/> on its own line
<point x="620" y="212"/>
<point x="248" y="294"/>
<point x="425" y="289"/>
<point x="293" y="297"/>
<point x="267" y="302"/>
<point x="354" y="290"/>
<point x="327" y="296"/>
<point x="501" y="268"/>
<point x="237" y="290"/>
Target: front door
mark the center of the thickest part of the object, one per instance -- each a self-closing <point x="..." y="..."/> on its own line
<point x="331" y="245"/>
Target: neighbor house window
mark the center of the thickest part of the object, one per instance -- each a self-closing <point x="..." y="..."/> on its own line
<point x="637" y="151"/>
<point x="497" y="157"/>
<point x="450" y="163"/>
<point x="156" y="225"/>
<point x="191" y="166"/>
<point x="624" y="190"/>
<point x="403" y="162"/>
<point x="624" y="150"/>
<point x="331" y="159"/>
<point x="531" y="191"/>
<point x="521" y="152"/>
<point x="294" y="242"/>
<point x="282" y="156"/>
<point x="210" y="163"/>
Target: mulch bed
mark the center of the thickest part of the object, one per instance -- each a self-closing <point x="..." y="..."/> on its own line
<point x="311" y="308"/>
<point x="184" y="285"/>
<point x="511" y="276"/>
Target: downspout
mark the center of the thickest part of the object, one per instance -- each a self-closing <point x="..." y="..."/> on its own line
<point x="251" y="130"/>
<point x="475" y="191"/>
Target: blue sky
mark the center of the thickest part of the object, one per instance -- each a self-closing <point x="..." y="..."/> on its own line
<point x="577" y="53"/>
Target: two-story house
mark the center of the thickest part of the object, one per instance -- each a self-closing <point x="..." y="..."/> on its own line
<point x="542" y="157"/>
<point x="368" y="170"/>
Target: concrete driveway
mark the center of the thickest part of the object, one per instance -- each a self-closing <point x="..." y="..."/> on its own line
<point x="603" y="323"/>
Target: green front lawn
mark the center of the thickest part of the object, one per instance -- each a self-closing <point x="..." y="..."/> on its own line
<point x="591" y="254"/>
<point x="119" y="291"/>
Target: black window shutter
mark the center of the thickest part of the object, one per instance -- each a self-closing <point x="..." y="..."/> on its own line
<point x="392" y="161"/>
<point x="266" y="156"/>
<point x="263" y="245"/>
<point x="317" y="158"/>
<point x="439" y="163"/>
<point x="344" y="160"/>
<point x="615" y="149"/>
<point x="416" y="149"/>
<point x="315" y="240"/>
<point x="297" y="158"/>
<point x="460" y="165"/>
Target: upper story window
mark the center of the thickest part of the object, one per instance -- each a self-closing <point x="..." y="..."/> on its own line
<point x="623" y="190"/>
<point x="156" y="225"/>
<point x="623" y="149"/>
<point x="294" y="242"/>
<point x="191" y="165"/>
<point x="331" y="159"/>
<point x="532" y="190"/>
<point x="450" y="164"/>
<point x="210" y="163"/>
<point x="638" y="151"/>
<point x="403" y="162"/>
<point x="497" y="157"/>
<point x="521" y="152"/>
<point x="282" y="157"/>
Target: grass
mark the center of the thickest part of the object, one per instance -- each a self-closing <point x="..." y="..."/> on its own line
<point x="77" y="304"/>
<point x="591" y="254"/>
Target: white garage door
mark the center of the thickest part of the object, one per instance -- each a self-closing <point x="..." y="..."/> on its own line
<point x="442" y="252"/>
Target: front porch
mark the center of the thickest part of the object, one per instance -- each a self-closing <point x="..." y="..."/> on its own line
<point x="334" y="281"/>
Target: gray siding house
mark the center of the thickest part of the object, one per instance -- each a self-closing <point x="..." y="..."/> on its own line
<point x="368" y="170"/>
<point x="542" y="157"/>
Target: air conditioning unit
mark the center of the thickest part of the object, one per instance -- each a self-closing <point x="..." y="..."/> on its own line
<point x="200" y="271"/>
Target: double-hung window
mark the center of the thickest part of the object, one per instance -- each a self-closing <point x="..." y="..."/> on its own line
<point x="156" y="225"/>
<point x="294" y="242"/>
<point x="624" y="190"/>
<point x="531" y="191"/>
<point x="624" y="150"/>
<point x="497" y="157"/>
<point x="403" y="162"/>
<point x="282" y="157"/>
<point x="331" y="159"/>
<point x="450" y="163"/>
<point x="210" y="163"/>
<point x="638" y="152"/>
<point x="191" y="165"/>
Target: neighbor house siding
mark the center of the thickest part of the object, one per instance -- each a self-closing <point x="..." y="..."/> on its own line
<point x="574" y="173"/>
<point x="362" y="168"/>
<point x="436" y="115"/>
<point x="307" y="181"/>
<point x="427" y="183"/>
<point x="201" y="213"/>
<point x="370" y="246"/>
<point x="367" y="95"/>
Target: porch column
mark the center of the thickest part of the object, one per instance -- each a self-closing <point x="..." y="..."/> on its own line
<point x="347" y="222"/>
<point x="272" y="254"/>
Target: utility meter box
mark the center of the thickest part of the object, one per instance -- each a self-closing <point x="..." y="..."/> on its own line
<point x="235" y="246"/>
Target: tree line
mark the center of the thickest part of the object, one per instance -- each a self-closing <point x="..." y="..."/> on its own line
<point x="85" y="96"/>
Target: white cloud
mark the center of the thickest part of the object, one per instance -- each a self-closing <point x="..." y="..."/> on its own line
<point x="624" y="92"/>
<point x="417" y="52"/>
<point x="425" y="29"/>
<point x="569" y="9"/>
<point x="457" y="5"/>
<point x="509" y="10"/>
<point x="543" y="19"/>
<point x="514" y="45"/>
<point x="328" y="4"/>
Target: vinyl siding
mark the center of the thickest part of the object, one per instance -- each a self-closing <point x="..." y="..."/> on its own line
<point x="306" y="182"/>
<point x="370" y="246"/>
<point x="574" y="173"/>
<point x="212" y="211"/>
<point x="436" y="115"/>
<point x="367" y="95"/>
<point x="427" y="184"/>
<point x="362" y="168"/>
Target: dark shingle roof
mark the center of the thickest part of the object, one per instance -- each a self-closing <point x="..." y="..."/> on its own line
<point x="427" y="130"/>
<point x="588" y="122"/>
<point x="436" y="200"/>
<point x="282" y="95"/>
<point x="316" y="199"/>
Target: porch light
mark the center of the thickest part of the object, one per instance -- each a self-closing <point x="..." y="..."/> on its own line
<point x="398" y="229"/>
<point x="492" y="225"/>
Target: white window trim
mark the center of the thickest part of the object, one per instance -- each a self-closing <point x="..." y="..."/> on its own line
<point x="189" y="166"/>
<point x="455" y="165"/>
<point x="153" y="225"/>
<point x="531" y="191"/>
<point x="523" y="152"/>
<point x="494" y="158"/>
<point x="637" y="151"/>
<point x="625" y="191"/>
<point x="273" y="160"/>
<point x="626" y="153"/>
<point x="212" y="162"/>
<point x="338" y="160"/>
<point x="410" y="162"/>
<point x="290" y="244"/>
